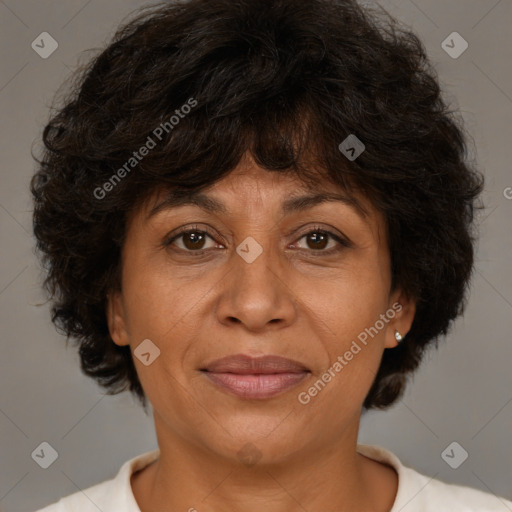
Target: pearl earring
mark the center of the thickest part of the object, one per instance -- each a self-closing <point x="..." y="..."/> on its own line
<point x="398" y="336"/>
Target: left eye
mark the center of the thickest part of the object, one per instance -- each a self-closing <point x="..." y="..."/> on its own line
<point x="319" y="240"/>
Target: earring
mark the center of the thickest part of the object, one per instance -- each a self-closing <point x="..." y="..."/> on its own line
<point x="398" y="336"/>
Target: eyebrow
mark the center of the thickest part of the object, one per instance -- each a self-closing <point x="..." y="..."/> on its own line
<point x="292" y="204"/>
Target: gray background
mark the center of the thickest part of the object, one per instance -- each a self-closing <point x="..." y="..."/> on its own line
<point x="463" y="391"/>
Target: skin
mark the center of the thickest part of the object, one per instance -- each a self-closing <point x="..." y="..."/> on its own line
<point x="291" y="301"/>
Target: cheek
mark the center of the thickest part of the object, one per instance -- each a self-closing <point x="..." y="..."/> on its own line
<point x="163" y="308"/>
<point x="350" y="302"/>
<point x="347" y="308"/>
<point x="156" y="300"/>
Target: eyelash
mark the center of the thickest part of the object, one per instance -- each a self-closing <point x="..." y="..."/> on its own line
<point x="343" y="244"/>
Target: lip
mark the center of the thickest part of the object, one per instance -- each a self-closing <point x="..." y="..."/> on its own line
<point x="247" y="365"/>
<point x="255" y="377"/>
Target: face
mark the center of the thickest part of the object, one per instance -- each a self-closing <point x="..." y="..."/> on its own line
<point x="253" y="272"/>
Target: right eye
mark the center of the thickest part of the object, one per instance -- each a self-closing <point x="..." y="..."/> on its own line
<point x="192" y="240"/>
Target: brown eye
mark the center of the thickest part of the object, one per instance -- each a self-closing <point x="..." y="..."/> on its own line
<point x="192" y="240"/>
<point x="317" y="240"/>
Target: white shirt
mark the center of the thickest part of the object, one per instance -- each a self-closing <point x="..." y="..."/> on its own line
<point x="416" y="492"/>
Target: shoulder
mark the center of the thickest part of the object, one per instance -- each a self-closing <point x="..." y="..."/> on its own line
<point x="421" y="493"/>
<point x="430" y="494"/>
<point x="114" y="494"/>
<point x="88" y="500"/>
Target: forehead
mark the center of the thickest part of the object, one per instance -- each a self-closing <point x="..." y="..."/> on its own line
<point x="254" y="188"/>
<point x="249" y="191"/>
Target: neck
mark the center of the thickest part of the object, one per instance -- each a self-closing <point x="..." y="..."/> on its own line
<point x="317" y="477"/>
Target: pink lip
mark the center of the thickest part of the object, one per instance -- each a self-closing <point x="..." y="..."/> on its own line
<point x="255" y="378"/>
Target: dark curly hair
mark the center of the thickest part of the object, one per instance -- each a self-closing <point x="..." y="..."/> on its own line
<point x="285" y="81"/>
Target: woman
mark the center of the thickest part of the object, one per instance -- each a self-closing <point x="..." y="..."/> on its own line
<point x="245" y="224"/>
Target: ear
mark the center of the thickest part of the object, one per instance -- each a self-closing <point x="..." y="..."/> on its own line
<point x="405" y="309"/>
<point x="116" y="319"/>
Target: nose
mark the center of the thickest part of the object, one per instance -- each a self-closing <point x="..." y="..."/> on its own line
<point x="256" y="293"/>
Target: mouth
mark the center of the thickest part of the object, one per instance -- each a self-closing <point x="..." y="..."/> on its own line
<point x="254" y="378"/>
